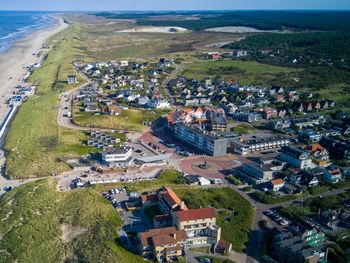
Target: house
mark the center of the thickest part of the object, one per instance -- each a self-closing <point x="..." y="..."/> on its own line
<point x="159" y="104"/>
<point x="113" y="110"/>
<point x="72" y="79"/>
<point x="289" y="247"/>
<point x="305" y="179"/>
<point x="332" y="175"/>
<point x="214" y="56"/>
<point x="277" y="184"/>
<point x="255" y="173"/>
<point x="162" y="244"/>
<point x="142" y="101"/>
<point x="239" y="53"/>
<point x="338" y="148"/>
<point x="296" y="157"/>
<point x="276" y="89"/>
<point x="269" y="113"/>
<point x="199" y="225"/>
<point x="191" y="179"/>
<point x="91" y="106"/>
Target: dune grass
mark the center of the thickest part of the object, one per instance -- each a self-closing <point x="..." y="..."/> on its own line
<point x="31" y="222"/>
<point x="35" y="141"/>
<point x="245" y="72"/>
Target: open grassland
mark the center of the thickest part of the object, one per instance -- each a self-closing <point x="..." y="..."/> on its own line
<point x="245" y="72"/>
<point x="131" y="120"/>
<point x="102" y="41"/>
<point x="235" y="214"/>
<point x="40" y="224"/>
<point x="35" y="141"/>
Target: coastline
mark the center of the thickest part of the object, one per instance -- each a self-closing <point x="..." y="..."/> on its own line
<point x="20" y="55"/>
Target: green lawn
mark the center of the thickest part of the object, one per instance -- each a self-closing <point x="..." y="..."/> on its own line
<point x="32" y="220"/>
<point x="131" y="119"/>
<point x="170" y="177"/>
<point x="245" y="72"/>
<point x="235" y="218"/>
<point x="35" y="141"/>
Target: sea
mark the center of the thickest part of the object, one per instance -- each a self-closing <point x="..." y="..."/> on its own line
<point x="16" y="25"/>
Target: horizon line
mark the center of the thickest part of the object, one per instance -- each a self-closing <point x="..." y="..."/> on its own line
<point x="180" y="10"/>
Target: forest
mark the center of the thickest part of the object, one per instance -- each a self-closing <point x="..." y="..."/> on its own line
<point x="264" y="20"/>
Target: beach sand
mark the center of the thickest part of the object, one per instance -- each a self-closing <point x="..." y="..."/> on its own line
<point x="20" y="55"/>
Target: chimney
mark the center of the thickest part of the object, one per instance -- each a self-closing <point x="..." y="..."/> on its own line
<point x="182" y="206"/>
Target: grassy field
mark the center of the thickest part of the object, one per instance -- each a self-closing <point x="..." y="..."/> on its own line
<point x="131" y="119"/>
<point x="35" y="141"/>
<point x="170" y="177"/>
<point x="40" y="224"/>
<point x="235" y="215"/>
<point x="245" y="72"/>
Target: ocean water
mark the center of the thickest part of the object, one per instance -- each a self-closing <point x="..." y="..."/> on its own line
<point x="15" y="25"/>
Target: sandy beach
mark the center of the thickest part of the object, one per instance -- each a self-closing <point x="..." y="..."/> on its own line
<point x="20" y="55"/>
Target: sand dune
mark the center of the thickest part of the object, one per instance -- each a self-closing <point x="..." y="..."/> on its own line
<point x="154" y="29"/>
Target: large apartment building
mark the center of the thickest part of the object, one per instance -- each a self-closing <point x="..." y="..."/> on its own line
<point x="202" y="128"/>
<point x="250" y="144"/>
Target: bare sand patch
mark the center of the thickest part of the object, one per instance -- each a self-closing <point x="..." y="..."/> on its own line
<point x="237" y="29"/>
<point x="155" y="29"/>
<point x="70" y="232"/>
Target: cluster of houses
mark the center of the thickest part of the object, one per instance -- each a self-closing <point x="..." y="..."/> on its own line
<point x="246" y="103"/>
<point x="178" y="228"/>
<point x="122" y="84"/>
<point x="293" y="170"/>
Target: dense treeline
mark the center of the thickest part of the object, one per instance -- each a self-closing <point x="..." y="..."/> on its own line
<point x="328" y="46"/>
<point x="268" y="20"/>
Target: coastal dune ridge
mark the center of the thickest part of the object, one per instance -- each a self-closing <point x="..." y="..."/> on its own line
<point x="13" y="62"/>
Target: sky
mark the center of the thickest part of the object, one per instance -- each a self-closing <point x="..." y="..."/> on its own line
<point x="122" y="5"/>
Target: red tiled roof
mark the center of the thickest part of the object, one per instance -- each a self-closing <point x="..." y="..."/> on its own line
<point x="162" y="236"/>
<point x="277" y="181"/>
<point x="150" y="198"/>
<point x="172" y="197"/>
<point x="195" y="214"/>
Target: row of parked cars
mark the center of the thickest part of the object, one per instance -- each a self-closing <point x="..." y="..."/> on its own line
<point x="276" y="217"/>
<point x="113" y="201"/>
<point x="109" y="196"/>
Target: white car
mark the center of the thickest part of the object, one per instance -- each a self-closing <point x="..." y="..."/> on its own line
<point x="283" y="222"/>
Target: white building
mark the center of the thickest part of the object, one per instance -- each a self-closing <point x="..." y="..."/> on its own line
<point x="117" y="157"/>
<point x="159" y="104"/>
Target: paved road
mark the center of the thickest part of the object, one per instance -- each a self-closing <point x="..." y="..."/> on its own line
<point x="171" y="76"/>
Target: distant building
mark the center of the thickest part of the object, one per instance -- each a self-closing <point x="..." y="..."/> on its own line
<point x="277" y="184"/>
<point x="72" y="79"/>
<point x="293" y="248"/>
<point x="251" y="144"/>
<point x="255" y="173"/>
<point x="296" y="157"/>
